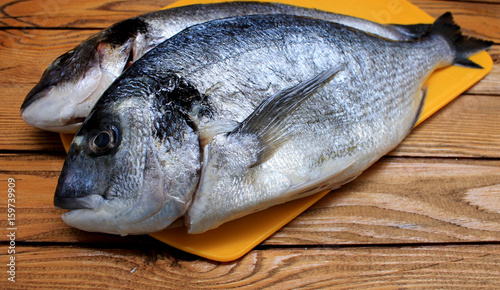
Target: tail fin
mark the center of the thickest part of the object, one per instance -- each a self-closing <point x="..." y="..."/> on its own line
<point x="464" y="46"/>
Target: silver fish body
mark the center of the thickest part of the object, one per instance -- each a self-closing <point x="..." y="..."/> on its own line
<point x="71" y="85"/>
<point x="233" y="116"/>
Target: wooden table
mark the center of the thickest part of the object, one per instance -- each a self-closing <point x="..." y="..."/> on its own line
<point x="427" y="214"/>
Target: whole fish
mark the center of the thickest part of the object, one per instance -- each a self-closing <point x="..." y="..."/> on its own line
<point x="232" y="116"/>
<point x="71" y="85"/>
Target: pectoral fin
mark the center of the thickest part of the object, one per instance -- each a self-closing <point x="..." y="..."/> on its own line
<point x="267" y="122"/>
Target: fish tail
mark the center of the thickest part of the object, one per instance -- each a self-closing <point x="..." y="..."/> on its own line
<point x="463" y="46"/>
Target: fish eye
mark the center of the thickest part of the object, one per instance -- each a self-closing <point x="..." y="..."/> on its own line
<point x="65" y="57"/>
<point x="104" y="140"/>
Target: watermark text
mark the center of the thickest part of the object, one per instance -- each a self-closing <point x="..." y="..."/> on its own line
<point x="11" y="229"/>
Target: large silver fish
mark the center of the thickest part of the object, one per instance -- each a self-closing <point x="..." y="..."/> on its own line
<point x="71" y="85"/>
<point x="233" y="116"/>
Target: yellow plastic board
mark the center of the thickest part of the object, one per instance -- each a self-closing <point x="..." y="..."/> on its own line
<point x="233" y="239"/>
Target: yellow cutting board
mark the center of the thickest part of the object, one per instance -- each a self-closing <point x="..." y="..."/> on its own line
<point x="234" y="239"/>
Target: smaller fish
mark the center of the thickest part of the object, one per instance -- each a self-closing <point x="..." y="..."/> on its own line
<point x="72" y="84"/>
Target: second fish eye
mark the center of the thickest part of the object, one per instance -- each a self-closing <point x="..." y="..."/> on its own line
<point x="65" y="57"/>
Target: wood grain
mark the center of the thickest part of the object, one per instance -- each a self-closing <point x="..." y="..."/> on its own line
<point x="405" y="201"/>
<point x="438" y="267"/>
<point x="490" y="85"/>
<point x="476" y="19"/>
<point x="66" y="13"/>
<point x="426" y="216"/>
<point x="101" y="14"/>
<point x="25" y="54"/>
<point x="467" y="127"/>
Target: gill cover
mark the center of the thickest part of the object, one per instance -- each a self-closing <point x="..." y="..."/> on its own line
<point x="134" y="164"/>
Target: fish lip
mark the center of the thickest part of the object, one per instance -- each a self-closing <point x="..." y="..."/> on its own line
<point x="91" y="202"/>
<point x="36" y="94"/>
<point x="29" y="111"/>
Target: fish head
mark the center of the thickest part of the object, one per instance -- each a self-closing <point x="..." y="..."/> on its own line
<point x="71" y="85"/>
<point x="132" y="168"/>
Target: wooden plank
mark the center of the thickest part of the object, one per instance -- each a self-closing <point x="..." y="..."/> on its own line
<point x="25" y="54"/>
<point x="398" y="200"/>
<point x="476" y="19"/>
<point x="490" y="85"/>
<point x="459" y="266"/>
<point x="96" y="13"/>
<point x="65" y="13"/>
<point x="467" y="127"/>
<point x="406" y="201"/>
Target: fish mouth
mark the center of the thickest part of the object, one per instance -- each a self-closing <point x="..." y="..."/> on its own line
<point x="34" y="95"/>
<point x="46" y="110"/>
<point x="92" y="202"/>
